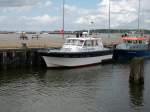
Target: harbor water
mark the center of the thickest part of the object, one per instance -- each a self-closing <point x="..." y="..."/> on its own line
<point x="100" y="88"/>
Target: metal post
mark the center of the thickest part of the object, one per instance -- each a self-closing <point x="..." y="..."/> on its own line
<point x="109" y="20"/>
<point x="63" y="23"/>
<point x="139" y="10"/>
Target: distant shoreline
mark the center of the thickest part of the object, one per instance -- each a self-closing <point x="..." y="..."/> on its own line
<point x="74" y="32"/>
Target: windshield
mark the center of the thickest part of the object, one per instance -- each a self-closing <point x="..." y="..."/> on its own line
<point x="74" y="42"/>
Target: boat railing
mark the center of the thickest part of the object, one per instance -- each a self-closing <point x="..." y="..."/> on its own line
<point x="132" y="46"/>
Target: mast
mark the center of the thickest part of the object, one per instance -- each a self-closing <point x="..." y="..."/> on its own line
<point x="109" y="19"/>
<point x="63" y="22"/>
<point x="139" y="10"/>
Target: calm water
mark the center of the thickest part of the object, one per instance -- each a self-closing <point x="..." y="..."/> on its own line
<point x="101" y="88"/>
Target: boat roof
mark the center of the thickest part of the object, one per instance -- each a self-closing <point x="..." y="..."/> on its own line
<point x="83" y="38"/>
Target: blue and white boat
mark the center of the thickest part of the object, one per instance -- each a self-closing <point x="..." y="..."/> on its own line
<point x="134" y="44"/>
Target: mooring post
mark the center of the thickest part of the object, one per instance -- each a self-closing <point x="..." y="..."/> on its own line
<point x="13" y="55"/>
<point x="31" y="58"/>
<point x="14" y="58"/>
<point x="4" y="57"/>
<point x="137" y="71"/>
<point x="24" y="57"/>
<point x="5" y="60"/>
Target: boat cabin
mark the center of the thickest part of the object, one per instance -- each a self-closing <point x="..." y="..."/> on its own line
<point x="134" y="41"/>
<point x="82" y="44"/>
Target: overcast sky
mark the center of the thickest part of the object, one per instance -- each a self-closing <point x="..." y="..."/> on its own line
<point x="39" y="15"/>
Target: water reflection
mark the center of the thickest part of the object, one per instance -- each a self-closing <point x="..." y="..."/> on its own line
<point x="136" y="94"/>
<point x="73" y="76"/>
<point x="72" y="90"/>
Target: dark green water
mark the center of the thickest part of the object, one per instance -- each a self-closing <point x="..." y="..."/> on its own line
<point x="101" y="88"/>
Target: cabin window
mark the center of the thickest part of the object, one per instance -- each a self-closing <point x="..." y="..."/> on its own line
<point x="85" y="43"/>
<point x="129" y="41"/>
<point x="71" y="42"/>
<point x="74" y="42"/>
<point x="96" y="43"/>
<point x="135" y="41"/>
<point x="92" y="41"/>
<point x="67" y="41"/>
<point x="88" y="43"/>
<point x="80" y="42"/>
<point x="140" y="41"/>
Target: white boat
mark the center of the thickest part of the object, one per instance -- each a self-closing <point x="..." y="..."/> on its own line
<point x="75" y="52"/>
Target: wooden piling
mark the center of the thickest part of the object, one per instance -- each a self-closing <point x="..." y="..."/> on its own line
<point x="137" y="71"/>
<point x="13" y="59"/>
<point x="4" y="60"/>
<point x="13" y="56"/>
<point x="20" y="58"/>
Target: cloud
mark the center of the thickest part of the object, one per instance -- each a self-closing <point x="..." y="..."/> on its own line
<point x="122" y="12"/>
<point x="41" y="20"/>
<point x="48" y="3"/>
<point x="72" y="9"/>
<point x="17" y="6"/>
<point x="16" y="9"/>
<point x="27" y="22"/>
<point x="45" y="14"/>
<point x="17" y="3"/>
<point x="25" y="6"/>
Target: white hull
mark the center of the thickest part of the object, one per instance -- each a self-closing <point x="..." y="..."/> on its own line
<point x="74" y="62"/>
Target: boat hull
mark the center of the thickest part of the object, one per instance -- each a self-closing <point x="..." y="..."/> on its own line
<point x="75" y="59"/>
<point x="129" y="54"/>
